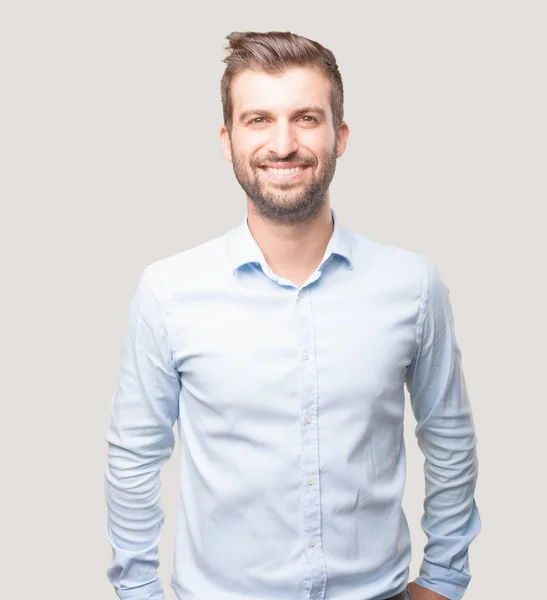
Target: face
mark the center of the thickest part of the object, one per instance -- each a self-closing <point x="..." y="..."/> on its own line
<point x="283" y="144"/>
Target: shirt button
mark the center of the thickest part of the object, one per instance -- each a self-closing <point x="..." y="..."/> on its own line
<point x="305" y="355"/>
<point x="308" y="419"/>
<point x="459" y="588"/>
<point x="312" y="542"/>
<point x="301" y="295"/>
<point x="311" y="480"/>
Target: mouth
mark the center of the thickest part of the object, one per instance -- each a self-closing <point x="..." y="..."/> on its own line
<point x="291" y="173"/>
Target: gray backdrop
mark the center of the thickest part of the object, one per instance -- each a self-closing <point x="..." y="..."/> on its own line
<point x="110" y="160"/>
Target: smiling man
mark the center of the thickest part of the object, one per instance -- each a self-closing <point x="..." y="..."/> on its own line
<point x="282" y="142"/>
<point x="282" y="350"/>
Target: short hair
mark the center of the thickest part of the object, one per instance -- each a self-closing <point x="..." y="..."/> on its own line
<point x="274" y="52"/>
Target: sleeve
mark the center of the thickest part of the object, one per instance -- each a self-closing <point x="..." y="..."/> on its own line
<point x="140" y="441"/>
<point x="446" y="436"/>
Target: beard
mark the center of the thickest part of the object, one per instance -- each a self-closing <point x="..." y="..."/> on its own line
<point x="283" y="205"/>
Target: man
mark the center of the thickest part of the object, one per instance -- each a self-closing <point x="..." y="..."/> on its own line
<point x="282" y="350"/>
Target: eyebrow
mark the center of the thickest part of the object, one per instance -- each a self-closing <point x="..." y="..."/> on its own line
<point x="265" y="113"/>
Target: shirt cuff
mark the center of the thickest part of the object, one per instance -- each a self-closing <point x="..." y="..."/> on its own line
<point x="448" y="582"/>
<point x="148" y="591"/>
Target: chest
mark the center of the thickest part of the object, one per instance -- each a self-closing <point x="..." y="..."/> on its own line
<point x="269" y="349"/>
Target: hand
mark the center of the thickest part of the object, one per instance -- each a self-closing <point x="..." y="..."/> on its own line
<point x="419" y="592"/>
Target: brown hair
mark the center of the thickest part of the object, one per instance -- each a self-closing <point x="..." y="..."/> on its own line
<point x="275" y="52"/>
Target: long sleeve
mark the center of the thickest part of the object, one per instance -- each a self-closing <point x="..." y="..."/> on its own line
<point x="140" y="441"/>
<point x="446" y="436"/>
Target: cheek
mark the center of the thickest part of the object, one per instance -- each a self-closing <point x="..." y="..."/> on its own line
<point x="247" y="145"/>
<point x="318" y="143"/>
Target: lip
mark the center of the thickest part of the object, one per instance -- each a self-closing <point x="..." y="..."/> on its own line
<point x="282" y="178"/>
<point x="284" y="165"/>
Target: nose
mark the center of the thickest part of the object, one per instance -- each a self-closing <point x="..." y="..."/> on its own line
<point x="282" y="140"/>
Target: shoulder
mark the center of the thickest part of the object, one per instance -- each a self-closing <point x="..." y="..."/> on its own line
<point x="391" y="262"/>
<point x="187" y="269"/>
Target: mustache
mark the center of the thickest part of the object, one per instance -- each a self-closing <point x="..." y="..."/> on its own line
<point x="291" y="158"/>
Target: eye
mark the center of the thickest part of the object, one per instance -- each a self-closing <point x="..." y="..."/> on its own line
<point x="308" y="119"/>
<point x="257" y="121"/>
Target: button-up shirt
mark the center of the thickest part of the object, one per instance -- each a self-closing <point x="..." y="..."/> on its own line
<point x="289" y="407"/>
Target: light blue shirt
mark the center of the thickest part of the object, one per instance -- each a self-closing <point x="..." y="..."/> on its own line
<point x="289" y="408"/>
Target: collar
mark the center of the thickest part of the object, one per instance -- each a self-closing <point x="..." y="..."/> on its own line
<point x="243" y="248"/>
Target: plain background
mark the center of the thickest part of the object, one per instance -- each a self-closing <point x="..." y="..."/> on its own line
<point x="110" y="160"/>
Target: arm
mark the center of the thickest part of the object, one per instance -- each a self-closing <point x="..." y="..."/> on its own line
<point x="140" y="441"/>
<point x="446" y="436"/>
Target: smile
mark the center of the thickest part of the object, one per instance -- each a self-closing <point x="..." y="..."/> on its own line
<point x="284" y="174"/>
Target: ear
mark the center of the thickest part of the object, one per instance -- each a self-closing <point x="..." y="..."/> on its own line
<point x="342" y="138"/>
<point x="225" y="143"/>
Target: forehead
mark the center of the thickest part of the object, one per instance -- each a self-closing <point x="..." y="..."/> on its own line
<point x="280" y="92"/>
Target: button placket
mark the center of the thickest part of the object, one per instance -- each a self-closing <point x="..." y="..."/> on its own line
<point x="310" y="484"/>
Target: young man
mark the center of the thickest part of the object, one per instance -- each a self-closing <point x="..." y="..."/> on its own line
<point x="282" y="350"/>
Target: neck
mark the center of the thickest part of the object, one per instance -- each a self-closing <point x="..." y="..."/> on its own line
<point x="292" y="249"/>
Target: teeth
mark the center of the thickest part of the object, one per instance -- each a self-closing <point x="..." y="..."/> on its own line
<point x="284" y="172"/>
